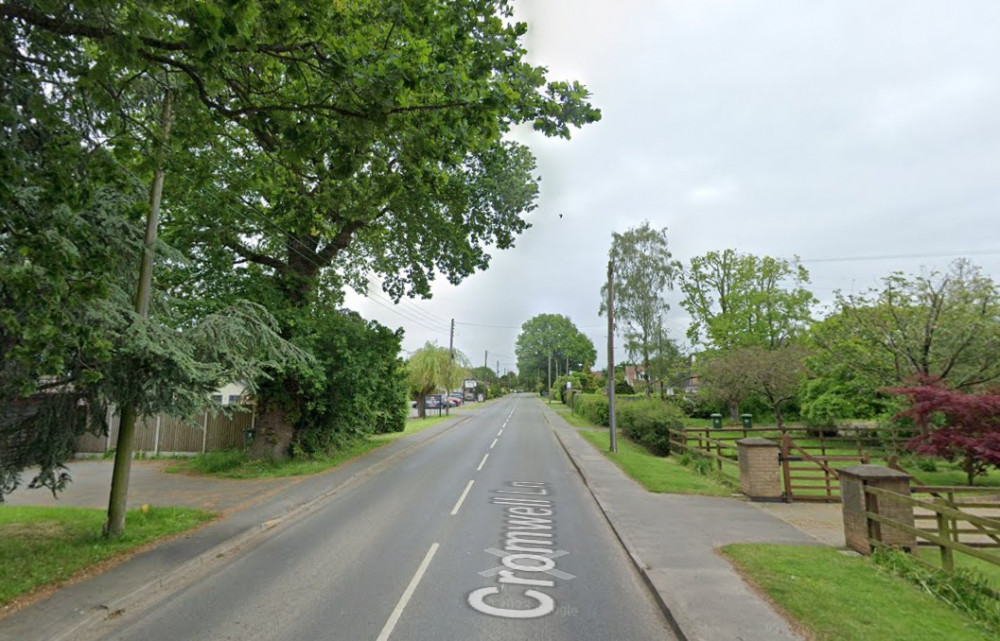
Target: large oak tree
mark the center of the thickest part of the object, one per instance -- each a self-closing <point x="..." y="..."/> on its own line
<point x="313" y="142"/>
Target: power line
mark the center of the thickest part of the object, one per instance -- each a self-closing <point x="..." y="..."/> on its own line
<point x="392" y="306"/>
<point x="848" y="259"/>
<point x="493" y="326"/>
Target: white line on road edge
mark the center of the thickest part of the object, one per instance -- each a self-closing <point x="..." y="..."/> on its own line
<point x="483" y="462"/>
<point x="407" y="594"/>
<point x="468" y="487"/>
<point x="494" y="443"/>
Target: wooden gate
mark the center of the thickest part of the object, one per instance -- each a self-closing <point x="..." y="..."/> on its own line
<point x="811" y="477"/>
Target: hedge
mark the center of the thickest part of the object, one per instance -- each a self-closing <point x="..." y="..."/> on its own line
<point x="648" y="423"/>
<point x="644" y="421"/>
<point x="593" y="407"/>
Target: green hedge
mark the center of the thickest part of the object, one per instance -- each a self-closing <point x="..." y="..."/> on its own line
<point x="644" y="421"/>
<point x="647" y="422"/>
<point x="593" y="407"/>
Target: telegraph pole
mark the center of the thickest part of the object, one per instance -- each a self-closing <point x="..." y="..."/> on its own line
<point x="549" y="388"/>
<point x="451" y="342"/>
<point x="611" y="355"/>
<point x="451" y="366"/>
<point x="115" y="523"/>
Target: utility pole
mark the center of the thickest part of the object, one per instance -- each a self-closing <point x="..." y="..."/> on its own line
<point x="115" y="523"/>
<point x="451" y="342"/>
<point x="549" y="388"/>
<point x="611" y="355"/>
<point x="451" y="367"/>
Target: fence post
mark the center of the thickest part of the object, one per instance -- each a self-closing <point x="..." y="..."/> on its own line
<point x="204" y="433"/>
<point x="954" y="521"/>
<point x="786" y="446"/>
<point x="156" y="436"/>
<point x="944" y="531"/>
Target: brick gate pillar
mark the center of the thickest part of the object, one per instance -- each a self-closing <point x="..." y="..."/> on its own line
<point x="858" y="528"/>
<point x="760" y="469"/>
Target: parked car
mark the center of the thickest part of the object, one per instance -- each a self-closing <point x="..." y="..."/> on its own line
<point x="455" y="399"/>
<point x="431" y="402"/>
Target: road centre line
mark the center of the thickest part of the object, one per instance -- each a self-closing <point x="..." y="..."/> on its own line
<point x="500" y="432"/>
<point x="494" y="443"/>
<point x="461" y="499"/>
<point x="408" y="593"/>
<point x="483" y="462"/>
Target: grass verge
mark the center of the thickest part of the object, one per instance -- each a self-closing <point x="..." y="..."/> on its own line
<point x="654" y="473"/>
<point x="41" y="546"/>
<point x="966" y="589"/>
<point x="576" y="420"/>
<point x="234" y="464"/>
<point x="836" y="597"/>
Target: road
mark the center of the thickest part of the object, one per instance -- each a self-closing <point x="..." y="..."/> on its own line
<point x="485" y="533"/>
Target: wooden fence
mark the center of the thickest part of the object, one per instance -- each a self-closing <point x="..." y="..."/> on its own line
<point x="809" y="457"/>
<point x="166" y="435"/>
<point x="975" y="501"/>
<point x="706" y="443"/>
<point x="855" y="441"/>
<point x="942" y="523"/>
<point x="810" y="475"/>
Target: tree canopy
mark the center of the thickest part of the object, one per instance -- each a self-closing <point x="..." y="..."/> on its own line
<point x="739" y="300"/>
<point x="643" y="273"/>
<point x="937" y="325"/>
<point x="955" y="425"/>
<point x="432" y="369"/>
<point x="555" y="336"/>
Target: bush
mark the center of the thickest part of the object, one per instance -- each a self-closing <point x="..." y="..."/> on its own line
<point x="927" y="464"/>
<point x="648" y="423"/>
<point x="622" y="387"/>
<point x="593" y="407"/>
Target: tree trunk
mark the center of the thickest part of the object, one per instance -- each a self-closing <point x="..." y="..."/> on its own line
<point x="779" y="417"/>
<point x="421" y="409"/>
<point x="734" y="411"/>
<point x="273" y="436"/>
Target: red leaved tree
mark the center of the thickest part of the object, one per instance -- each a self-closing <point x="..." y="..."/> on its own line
<point x="954" y="425"/>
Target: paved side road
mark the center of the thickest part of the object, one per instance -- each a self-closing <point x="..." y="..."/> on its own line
<point x="149" y="483"/>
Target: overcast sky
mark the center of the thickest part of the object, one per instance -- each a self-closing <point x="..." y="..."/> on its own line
<point x="862" y="136"/>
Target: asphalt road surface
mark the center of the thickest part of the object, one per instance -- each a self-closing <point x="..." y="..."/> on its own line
<point x="485" y="533"/>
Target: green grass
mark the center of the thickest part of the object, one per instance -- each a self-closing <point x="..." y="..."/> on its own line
<point x="952" y="474"/>
<point x="654" y="473"/>
<point x="989" y="571"/>
<point x="576" y="420"/>
<point x="843" y="598"/>
<point x="42" y="546"/>
<point x="234" y="464"/>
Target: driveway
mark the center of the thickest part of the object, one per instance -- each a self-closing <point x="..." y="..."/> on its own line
<point x="149" y="483"/>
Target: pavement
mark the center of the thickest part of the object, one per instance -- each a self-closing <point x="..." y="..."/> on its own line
<point x="671" y="539"/>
